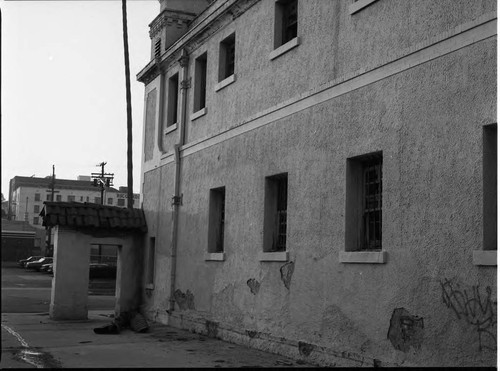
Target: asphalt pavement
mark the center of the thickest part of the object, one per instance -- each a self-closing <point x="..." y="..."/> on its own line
<point x="30" y="339"/>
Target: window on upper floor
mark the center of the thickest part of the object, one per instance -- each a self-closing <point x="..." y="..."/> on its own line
<point x="285" y="26"/>
<point x="173" y="97"/>
<point x="36" y="209"/>
<point x="364" y="203"/>
<point x="71" y="198"/>
<point x="110" y="201"/>
<point x="58" y="198"/>
<point x="227" y="57"/>
<point x="37" y="197"/>
<point x="49" y="197"/>
<point x="121" y="202"/>
<point x="36" y="220"/>
<point x="275" y="212"/>
<point x="200" y="82"/>
<point x="216" y="220"/>
<point x="97" y="200"/>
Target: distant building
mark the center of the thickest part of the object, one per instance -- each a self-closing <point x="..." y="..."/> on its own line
<point x="319" y="177"/>
<point x="27" y="194"/>
<point x="19" y="240"/>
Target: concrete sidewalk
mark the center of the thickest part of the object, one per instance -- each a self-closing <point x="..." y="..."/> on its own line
<point x="34" y="340"/>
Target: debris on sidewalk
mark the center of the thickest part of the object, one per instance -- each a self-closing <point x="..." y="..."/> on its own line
<point x="133" y="320"/>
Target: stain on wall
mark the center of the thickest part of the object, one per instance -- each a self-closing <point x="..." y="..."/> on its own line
<point x="405" y="330"/>
<point x="254" y="286"/>
<point x="286" y="273"/>
<point x="305" y="349"/>
<point x="212" y="328"/>
<point x="184" y="301"/>
<point x="149" y="135"/>
<point x="474" y="307"/>
<point x="251" y="334"/>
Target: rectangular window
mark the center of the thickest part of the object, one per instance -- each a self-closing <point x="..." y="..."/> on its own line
<point x="35" y="220"/>
<point x="285" y="26"/>
<point x="36" y="209"/>
<point x="275" y="213"/>
<point x="364" y="203"/>
<point x="37" y="197"/>
<point x="150" y="279"/>
<point x="173" y="95"/>
<point x="71" y="198"/>
<point x="49" y="197"/>
<point x="200" y="84"/>
<point x="216" y="218"/>
<point x="88" y="198"/>
<point x="121" y="202"/>
<point x="81" y="198"/>
<point x="226" y="57"/>
<point x="110" y="201"/>
<point x="97" y="200"/>
<point x="58" y="198"/>
<point x="490" y="187"/>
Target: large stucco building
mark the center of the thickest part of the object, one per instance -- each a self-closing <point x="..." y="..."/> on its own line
<point x="319" y="177"/>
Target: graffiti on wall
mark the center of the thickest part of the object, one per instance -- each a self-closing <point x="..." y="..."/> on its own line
<point x="474" y="306"/>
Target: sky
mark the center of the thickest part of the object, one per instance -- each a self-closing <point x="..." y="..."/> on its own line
<point x="63" y="99"/>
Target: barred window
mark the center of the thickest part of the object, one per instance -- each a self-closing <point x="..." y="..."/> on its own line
<point x="227" y="57"/>
<point x="216" y="220"/>
<point x="372" y="213"/>
<point x="363" y="224"/>
<point x="275" y="213"/>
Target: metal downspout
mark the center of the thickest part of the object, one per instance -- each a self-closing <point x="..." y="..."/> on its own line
<point x="177" y="197"/>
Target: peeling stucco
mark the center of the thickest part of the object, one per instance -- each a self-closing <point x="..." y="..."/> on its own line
<point x="184" y="301"/>
<point x="405" y="330"/>
<point x="254" y="286"/>
<point x="286" y="273"/>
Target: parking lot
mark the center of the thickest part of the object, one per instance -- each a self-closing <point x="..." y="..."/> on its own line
<point x="29" y="291"/>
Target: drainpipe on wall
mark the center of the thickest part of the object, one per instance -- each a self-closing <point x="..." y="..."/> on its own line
<point x="177" y="197"/>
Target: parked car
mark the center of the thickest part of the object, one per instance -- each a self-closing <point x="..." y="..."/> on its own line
<point x="46" y="268"/>
<point x="100" y="270"/>
<point x="37" y="265"/>
<point x="22" y="262"/>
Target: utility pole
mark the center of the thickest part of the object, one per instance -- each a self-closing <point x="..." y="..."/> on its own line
<point x="102" y="180"/>
<point x="130" y="196"/>
<point x="52" y="185"/>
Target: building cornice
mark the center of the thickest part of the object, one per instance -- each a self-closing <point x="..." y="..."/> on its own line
<point x="218" y="15"/>
<point x="169" y="17"/>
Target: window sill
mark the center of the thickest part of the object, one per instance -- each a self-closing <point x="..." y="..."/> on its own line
<point x="149" y="286"/>
<point x="284" y="48"/>
<point x="484" y="257"/>
<point x="227" y="81"/>
<point x="215" y="256"/>
<point x="363" y="257"/>
<point x="198" y="114"/>
<point x="358" y="5"/>
<point x="170" y="128"/>
<point x="275" y="256"/>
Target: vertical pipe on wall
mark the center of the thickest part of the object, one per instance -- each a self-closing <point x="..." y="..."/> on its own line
<point x="177" y="198"/>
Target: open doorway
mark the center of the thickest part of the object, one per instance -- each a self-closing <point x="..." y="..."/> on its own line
<point x="102" y="270"/>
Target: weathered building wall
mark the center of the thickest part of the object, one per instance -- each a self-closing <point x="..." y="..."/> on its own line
<point x="428" y="305"/>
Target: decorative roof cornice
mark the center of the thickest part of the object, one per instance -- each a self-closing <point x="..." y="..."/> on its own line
<point x="169" y="17"/>
<point x="200" y="30"/>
